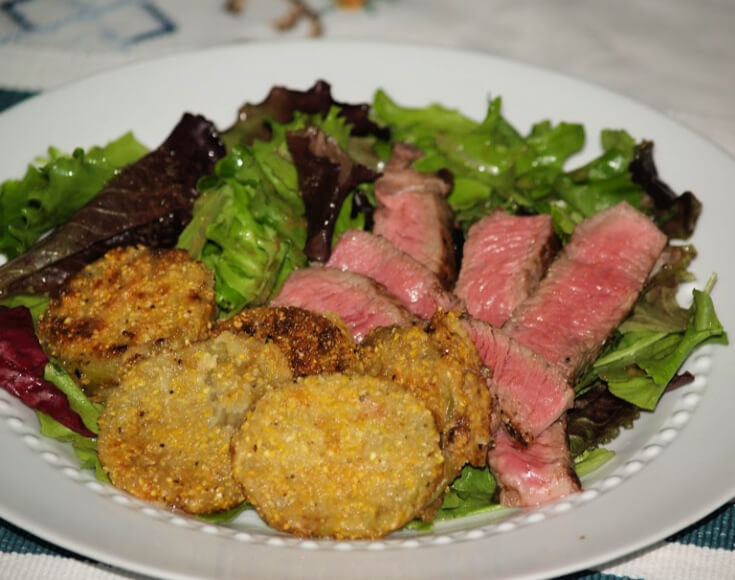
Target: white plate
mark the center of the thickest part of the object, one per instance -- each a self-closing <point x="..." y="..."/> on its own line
<point x="673" y="468"/>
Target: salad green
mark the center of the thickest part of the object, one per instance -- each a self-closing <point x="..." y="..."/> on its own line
<point x="253" y="222"/>
<point x="54" y="188"/>
<point x="85" y="448"/>
<point x="248" y="230"/>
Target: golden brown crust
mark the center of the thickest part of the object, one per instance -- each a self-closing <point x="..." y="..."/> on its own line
<point x="130" y="303"/>
<point x="166" y="430"/>
<point x="312" y="343"/>
<point x="440" y="366"/>
<point x="338" y="456"/>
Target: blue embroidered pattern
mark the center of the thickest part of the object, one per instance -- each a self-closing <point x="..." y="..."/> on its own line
<point x="117" y="23"/>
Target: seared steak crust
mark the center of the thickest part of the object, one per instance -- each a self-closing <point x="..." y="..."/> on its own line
<point x="530" y="393"/>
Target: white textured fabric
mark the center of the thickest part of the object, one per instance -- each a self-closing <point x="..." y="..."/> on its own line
<point x="42" y="567"/>
<point x="672" y="561"/>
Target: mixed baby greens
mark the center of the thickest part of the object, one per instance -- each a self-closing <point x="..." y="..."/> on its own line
<point x="53" y="189"/>
<point x="297" y="169"/>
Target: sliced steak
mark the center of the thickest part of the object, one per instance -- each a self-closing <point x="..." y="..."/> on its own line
<point x="535" y="475"/>
<point x="586" y="293"/>
<point x="590" y="289"/>
<point x="503" y="259"/>
<point x="375" y="257"/>
<point x="529" y="391"/>
<point x="361" y="303"/>
<point x="413" y="214"/>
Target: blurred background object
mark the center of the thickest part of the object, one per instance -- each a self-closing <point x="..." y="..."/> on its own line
<point x="674" y="55"/>
<point x="299" y="10"/>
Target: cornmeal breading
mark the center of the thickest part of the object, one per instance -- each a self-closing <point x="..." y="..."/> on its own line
<point x="338" y="456"/>
<point x="312" y="343"/>
<point x="128" y="304"/>
<point x="441" y="367"/>
<point x="165" y="432"/>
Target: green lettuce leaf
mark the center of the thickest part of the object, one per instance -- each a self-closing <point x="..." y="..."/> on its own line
<point x="592" y="460"/>
<point x="78" y="401"/>
<point x="249" y="224"/>
<point x="471" y="493"/>
<point x="474" y="490"/>
<point x="641" y="363"/>
<point x="52" y="190"/>
<point x="226" y="516"/>
<point x="85" y="448"/>
<point x="494" y="165"/>
<point x="247" y="227"/>
<point x="657" y="308"/>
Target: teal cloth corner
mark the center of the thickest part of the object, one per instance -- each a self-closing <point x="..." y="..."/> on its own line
<point x="9" y="97"/>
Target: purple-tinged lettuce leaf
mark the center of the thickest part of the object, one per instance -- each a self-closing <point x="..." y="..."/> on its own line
<point x="22" y="367"/>
<point x="148" y="202"/>
<point x="281" y="104"/>
<point x="675" y="214"/>
<point x="36" y="303"/>
<point x="326" y="176"/>
<point x="596" y="419"/>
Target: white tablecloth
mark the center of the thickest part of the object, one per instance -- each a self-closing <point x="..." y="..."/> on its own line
<point x="676" y="55"/>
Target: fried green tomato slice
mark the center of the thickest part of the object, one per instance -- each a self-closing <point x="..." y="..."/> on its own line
<point x="130" y="303"/>
<point x="338" y="456"/>
<point x="439" y="364"/>
<point x="165" y="432"/>
<point x="313" y="343"/>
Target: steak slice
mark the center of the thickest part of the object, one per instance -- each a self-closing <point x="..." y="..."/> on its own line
<point x="504" y="257"/>
<point x="589" y="289"/>
<point x="529" y="391"/>
<point x="535" y="475"/>
<point x="413" y="214"/>
<point x="375" y="257"/>
<point x="361" y="303"/>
